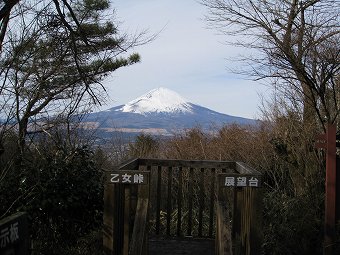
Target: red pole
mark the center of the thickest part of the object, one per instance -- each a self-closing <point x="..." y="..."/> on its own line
<point x="330" y="187"/>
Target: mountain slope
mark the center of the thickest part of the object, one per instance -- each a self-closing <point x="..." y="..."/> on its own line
<point x="160" y="111"/>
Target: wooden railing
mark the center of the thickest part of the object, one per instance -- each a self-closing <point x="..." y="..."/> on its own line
<point x="182" y="198"/>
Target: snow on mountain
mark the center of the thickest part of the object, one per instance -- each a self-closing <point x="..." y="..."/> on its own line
<point x="159" y="111"/>
<point x="160" y="100"/>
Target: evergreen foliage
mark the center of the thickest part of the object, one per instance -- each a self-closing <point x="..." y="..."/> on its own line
<point x="60" y="187"/>
<point x="52" y="67"/>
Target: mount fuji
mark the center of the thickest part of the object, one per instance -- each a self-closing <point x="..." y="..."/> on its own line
<point x="160" y="111"/>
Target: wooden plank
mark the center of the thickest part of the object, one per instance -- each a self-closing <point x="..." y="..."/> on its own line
<point x="133" y="204"/>
<point x="212" y="201"/>
<point x="247" y="221"/>
<point x="223" y="239"/>
<point x="242" y="168"/>
<point x="330" y="190"/>
<point x="129" y="164"/>
<point x="179" y="201"/>
<point x="14" y="234"/>
<point x="237" y="216"/>
<point x="337" y="209"/>
<point x="256" y="226"/>
<point x="322" y="137"/>
<point x="112" y="219"/>
<point x="320" y="145"/>
<point x="169" y="205"/>
<point x="126" y="227"/>
<point x="188" y="163"/>
<point x="146" y="194"/>
<point x="159" y="197"/>
<point x="108" y="219"/>
<point x="219" y="230"/>
<point x="201" y="203"/>
<point x="119" y="219"/>
<point x="189" y="229"/>
<point x="234" y="214"/>
<point x="152" y="197"/>
<point x="116" y="235"/>
<point x="137" y="245"/>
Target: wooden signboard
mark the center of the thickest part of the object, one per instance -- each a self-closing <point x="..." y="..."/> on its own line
<point x="14" y="237"/>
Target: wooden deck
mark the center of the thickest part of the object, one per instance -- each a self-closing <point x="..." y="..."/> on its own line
<point x="181" y="246"/>
<point x="182" y="198"/>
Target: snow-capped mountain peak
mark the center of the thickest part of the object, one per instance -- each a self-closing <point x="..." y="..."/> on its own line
<point x="160" y="100"/>
<point x="159" y="112"/>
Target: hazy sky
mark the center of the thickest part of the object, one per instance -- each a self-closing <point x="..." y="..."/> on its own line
<point x="186" y="57"/>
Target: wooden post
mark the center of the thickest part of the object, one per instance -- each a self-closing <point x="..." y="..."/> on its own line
<point x="238" y="213"/>
<point x="212" y="201"/>
<point x="256" y="225"/>
<point x="169" y="204"/>
<point x="113" y="214"/>
<point x="337" y="198"/>
<point x="247" y="211"/>
<point x="159" y="198"/>
<point x="201" y="203"/>
<point x="189" y="229"/>
<point x="328" y="142"/>
<point x="108" y="219"/>
<point x="138" y="244"/>
<point x="330" y="190"/>
<point x="223" y="239"/>
<point x="179" y="201"/>
<point x="126" y="220"/>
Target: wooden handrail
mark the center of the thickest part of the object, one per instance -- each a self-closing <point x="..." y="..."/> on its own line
<point x="187" y="163"/>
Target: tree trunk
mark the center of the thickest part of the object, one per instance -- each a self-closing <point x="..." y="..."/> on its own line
<point x="23" y="123"/>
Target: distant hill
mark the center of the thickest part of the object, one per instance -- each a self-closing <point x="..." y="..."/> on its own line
<point x="160" y="112"/>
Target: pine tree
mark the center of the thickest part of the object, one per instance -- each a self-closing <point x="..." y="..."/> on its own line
<point x="55" y="62"/>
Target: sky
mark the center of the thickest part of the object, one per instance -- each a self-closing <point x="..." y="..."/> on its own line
<point x="186" y="57"/>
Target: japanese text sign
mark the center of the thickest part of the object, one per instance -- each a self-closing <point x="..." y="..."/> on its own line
<point x="14" y="235"/>
<point x="129" y="177"/>
<point x="237" y="180"/>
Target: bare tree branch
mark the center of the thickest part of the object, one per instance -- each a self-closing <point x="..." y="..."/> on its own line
<point x="295" y="41"/>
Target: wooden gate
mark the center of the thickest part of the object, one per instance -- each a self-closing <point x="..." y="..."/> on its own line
<point x="185" y="199"/>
